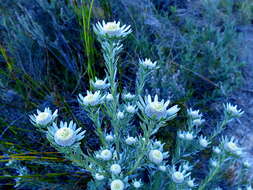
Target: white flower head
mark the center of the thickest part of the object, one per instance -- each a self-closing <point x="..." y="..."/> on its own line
<point x="186" y="135"/>
<point x="131" y="140"/>
<point x="109" y="138"/>
<point x="117" y="184"/>
<point x="66" y="134"/>
<point x="189" y="136"/>
<point x="91" y="99"/>
<point x="157" y="144"/>
<point x="194" y="114"/>
<point x="214" y="162"/>
<point x="115" y="169"/>
<point x="155" y="156"/>
<point x="203" y="141"/>
<point x="120" y="115"/>
<point x="216" y="150"/>
<point x="186" y="166"/>
<point x="191" y="183"/>
<point x="100" y="84"/>
<point x="111" y="30"/>
<point x="233" y="111"/>
<point x="43" y="118"/>
<point x="198" y="122"/>
<point x="178" y="176"/>
<point x="148" y="64"/>
<point x="157" y="109"/>
<point x="99" y="177"/>
<point x="181" y="135"/>
<point x="128" y="96"/>
<point x="137" y="183"/>
<point x="130" y="108"/>
<point x="246" y="164"/>
<point x="232" y="146"/>
<point x="109" y="97"/>
<point x="162" y="168"/>
<point x="106" y="155"/>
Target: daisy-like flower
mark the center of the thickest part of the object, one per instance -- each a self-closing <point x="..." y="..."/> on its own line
<point x="181" y="135"/>
<point x="233" y="111"/>
<point x="109" y="97"/>
<point x="178" y="176"/>
<point x="194" y="114"/>
<point x="162" y="168"/>
<point x="216" y="150"/>
<point x="130" y="140"/>
<point x="213" y="162"/>
<point x="109" y="138"/>
<point x="186" y="166"/>
<point x="128" y="96"/>
<point x="155" y="156"/>
<point x="117" y="184"/>
<point x="130" y="108"/>
<point x="100" y="84"/>
<point x="105" y="155"/>
<point x="99" y="177"/>
<point x="115" y="169"/>
<point x="186" y="135"/>
<point x="43" y="118"/>
<point x="120" y="115"/>
<point x="111" y="29"/>
<point x="137" y="183"/>
<point x="232" y="146"/>
<point x="246" y="164"/>
<point x="198" y="122"/>
<point x="189" y="136"/>
<point x="203" y="141"/>
<point x="66" y="134"/>
<point x="191" y="183"/>
<point x="148" y="64"/>
<point x="156" y="109"/>
<point x="90" y="99"/>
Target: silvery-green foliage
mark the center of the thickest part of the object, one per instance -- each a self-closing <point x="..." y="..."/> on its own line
<point x="129" y="150"/>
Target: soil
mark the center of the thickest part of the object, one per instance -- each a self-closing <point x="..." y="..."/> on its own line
<point x="243" y="97"/>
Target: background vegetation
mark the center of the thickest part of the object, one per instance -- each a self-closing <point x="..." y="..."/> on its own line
<point x="48" y="54"/>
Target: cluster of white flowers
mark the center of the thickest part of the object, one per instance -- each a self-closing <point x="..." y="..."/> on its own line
<point x="196" y="117"/>
<point x="124" y="151"/>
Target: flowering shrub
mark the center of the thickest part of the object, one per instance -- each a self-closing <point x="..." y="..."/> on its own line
<point x="129" y="150"/>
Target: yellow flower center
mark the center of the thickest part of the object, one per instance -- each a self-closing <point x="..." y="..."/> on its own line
<point x="65" y="133"/>
<point x="158" y="106"/>
<point x="43" y="116"/>
<point x="111" y="26"/>
<point x="178" y="175"/>
<point x="157" y="154"/>
<point x="232" y="146"/>
<point x="90" y="97"/>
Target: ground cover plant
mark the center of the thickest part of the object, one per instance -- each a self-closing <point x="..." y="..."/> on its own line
<point x="50" y="54"/>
